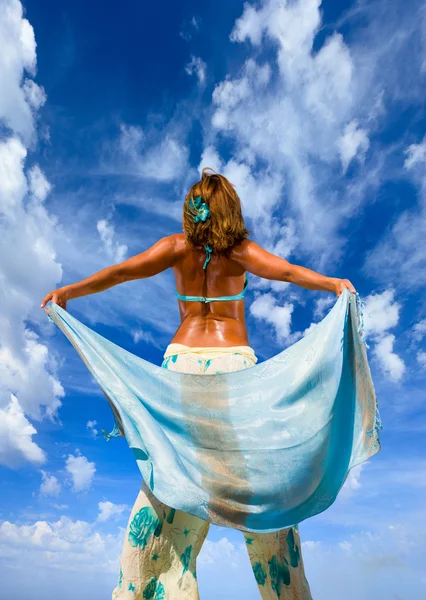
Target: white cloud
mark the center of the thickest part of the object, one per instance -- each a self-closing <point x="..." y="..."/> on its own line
<point x="265" y="308"/>
<point x="50" y="486"/>
<point x="416" y="154"/>
<point x="164" y="162"/>
<point x="284" y="238"/>
<point x="18" y="54"/>
<point x="26" y="369"/>
<point x="131" y="138"/>
<point x="421" y="358"/>
<point x="79" y="556"/>
<point x="113" y="248"/>
<point x="311" y="545"/>
<point x="311" y="327"/>
<point x="27" y="236"/>
<point x="391" y="363"/>
<point x="82" y="472"/>
<point x="16" y="443"/>
<point x="249" y="26"/>
<point x="197" y="67"/>
<point x="65" y="544"/>
<point x="141" y="154"/>
<point x="381" y="313"/>
<point x="210" y="158"/>
<point x="352" y="483"/>
<point x="139" y="335"/>
<point x="322" y="303"/>
<point x="345" y="545"/>
<point x="108" y="510"/>
<point x="190" y="28"/>
<point x="35" y="95"/>
<point x="418" y="332"/>
<point x="91" y="427"/>
<point x="353" y="143"/>
<point x="13" y="181"/>
<point x="38" y="184"/>
<point x="220" y="552"/>
<point x="258" y="194"/>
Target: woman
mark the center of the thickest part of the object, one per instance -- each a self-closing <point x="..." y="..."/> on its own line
<point x="210" y="260"/>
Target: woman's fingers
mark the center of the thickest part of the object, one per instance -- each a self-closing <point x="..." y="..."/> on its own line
<point x="62" y="303"/>
<point x="342" y="285"/>
<point x="349" y="285"/>
<point x="46" y="300"/>
<point x="57" y="297"/>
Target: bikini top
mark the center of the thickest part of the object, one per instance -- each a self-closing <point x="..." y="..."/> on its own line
<point x="239" y="296"/>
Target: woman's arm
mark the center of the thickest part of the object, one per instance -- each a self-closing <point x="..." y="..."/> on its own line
<point x="156" y="259"/>
<point x="264" y="264"/>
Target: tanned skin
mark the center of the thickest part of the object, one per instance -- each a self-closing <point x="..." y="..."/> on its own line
<point x="203" y="324"/>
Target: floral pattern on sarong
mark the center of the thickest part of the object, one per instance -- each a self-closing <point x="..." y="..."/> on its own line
<point x="144" y="524"/>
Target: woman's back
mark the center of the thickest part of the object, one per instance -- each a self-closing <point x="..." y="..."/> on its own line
<point x="213" y="323"/>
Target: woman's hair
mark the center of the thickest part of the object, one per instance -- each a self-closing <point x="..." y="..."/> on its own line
<point x="225" y="227"/>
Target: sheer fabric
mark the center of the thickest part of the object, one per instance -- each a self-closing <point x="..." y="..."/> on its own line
<point x="258" y="449"/>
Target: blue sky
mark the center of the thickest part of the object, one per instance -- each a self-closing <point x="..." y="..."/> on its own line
<point x="107" y="114"/>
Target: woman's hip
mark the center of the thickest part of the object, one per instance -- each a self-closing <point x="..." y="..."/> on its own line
<point x="208" y="360"/>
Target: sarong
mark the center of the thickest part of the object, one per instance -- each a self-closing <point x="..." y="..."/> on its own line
<point x="259" y="449"/>
<point x="162" y="544"/>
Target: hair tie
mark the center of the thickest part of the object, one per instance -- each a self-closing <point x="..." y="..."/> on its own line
<point x="202" y="209"/>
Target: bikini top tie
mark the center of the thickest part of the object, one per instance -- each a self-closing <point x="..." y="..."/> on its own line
<point x="239" y="296"/>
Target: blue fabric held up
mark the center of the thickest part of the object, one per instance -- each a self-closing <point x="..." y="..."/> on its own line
<point x="259" y="449"/>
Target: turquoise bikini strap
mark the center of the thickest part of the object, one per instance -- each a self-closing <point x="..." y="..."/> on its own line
<point x="208" y="255"/>
<point x="239" y="296"/>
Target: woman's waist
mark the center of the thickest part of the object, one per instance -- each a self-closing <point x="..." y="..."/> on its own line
<point x="209" y="351"/>
<point x="211" y="330"/>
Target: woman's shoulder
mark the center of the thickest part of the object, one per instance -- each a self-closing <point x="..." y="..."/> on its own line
<point x="179" y="241"/>
<point x="241" y="250"/>
<point x="179" y="244"/>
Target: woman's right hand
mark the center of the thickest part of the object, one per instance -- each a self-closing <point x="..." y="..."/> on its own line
<point x="341" y="284"/>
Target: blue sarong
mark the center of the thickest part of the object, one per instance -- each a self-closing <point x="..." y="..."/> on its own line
<point x="259" y="449"/>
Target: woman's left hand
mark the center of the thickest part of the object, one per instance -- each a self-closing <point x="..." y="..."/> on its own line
<point x="342" y="284"/>
<point x="59" y="297"/>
